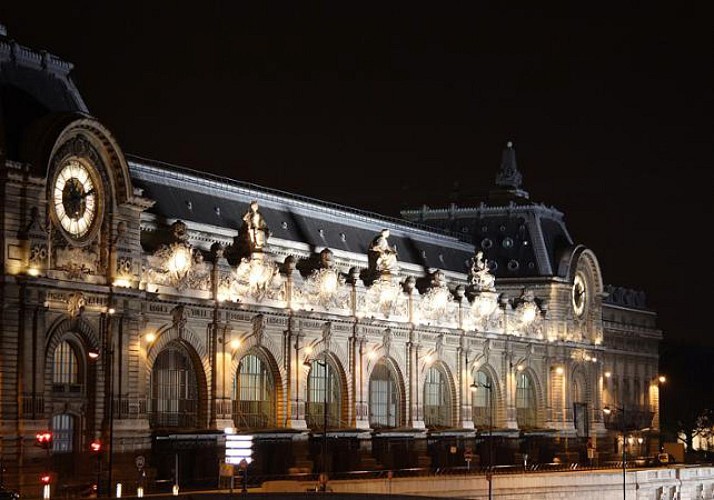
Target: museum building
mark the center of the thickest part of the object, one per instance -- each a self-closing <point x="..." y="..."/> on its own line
<point x="152" y="308"/>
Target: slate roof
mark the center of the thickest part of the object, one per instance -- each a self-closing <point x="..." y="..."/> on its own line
<point x="519" y="238"/>
<point x="191" y="196"/>
<point x="33" y="84"/>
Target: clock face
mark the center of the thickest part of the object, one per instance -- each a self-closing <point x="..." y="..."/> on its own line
<point x="579" y="295"/>
<point x="75" y="199"/>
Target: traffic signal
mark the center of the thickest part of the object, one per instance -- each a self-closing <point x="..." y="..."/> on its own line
<point x="95" y="446"/>
<point x="43" y="440"/>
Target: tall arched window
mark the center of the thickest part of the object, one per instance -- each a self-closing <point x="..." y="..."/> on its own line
<point x="174" y="389"/>
<point x="580" y="405"/>
<point x="482" y="401"/>
<point x="65" y="369"/>
<point x="383" y="398"/>
<point x="62" y="433"/>
<point x="253" y="394"/>
<point x="525" y="401"/>
<point x="437" y="404"/>
<point x="323" y="375"/>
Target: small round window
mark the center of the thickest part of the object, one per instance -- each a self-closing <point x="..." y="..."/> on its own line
<point x="486" y="243"/>
<point x="513" y="265"/>
<point x="507" y="242"/>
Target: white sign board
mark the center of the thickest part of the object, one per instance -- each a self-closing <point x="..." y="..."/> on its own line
<point x="239" y="447"/>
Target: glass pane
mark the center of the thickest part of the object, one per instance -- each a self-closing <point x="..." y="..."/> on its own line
<point x="383" y="398"/>
<point x="436" y="399"/>
<point x="65" y="368"/>
<point x="174" y="390"/>
<point x="323" y="375"/>
<point x="253" y="394"/>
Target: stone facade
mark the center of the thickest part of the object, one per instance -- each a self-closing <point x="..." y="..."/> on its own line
<point x="153" y="307"/>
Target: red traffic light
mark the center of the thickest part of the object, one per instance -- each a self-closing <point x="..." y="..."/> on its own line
<point x="45" y="478"/>
<point x="44" y="439"/>
<point x="95" y="445"/>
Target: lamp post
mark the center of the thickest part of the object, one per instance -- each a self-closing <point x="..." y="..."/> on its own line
<point x="489" y="472"/>
<point x="323" y="363"/>
<point x="607" y="410"/>
<point x="107" y="355"/>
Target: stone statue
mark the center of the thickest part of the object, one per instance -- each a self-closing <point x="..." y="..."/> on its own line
<point x="254" y="224"/>
<point x="384" y="254"/>
<point x="480" y="277"/>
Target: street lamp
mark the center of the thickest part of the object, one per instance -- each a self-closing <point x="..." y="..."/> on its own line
<point x="324" y="364"/>
<point x="106" y="352"/>
<point x="489" y="472"/>
<point x="607" y="411"/>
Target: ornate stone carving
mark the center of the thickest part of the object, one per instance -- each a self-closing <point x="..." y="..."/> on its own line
<point x="382" y="257"/>
<point x="178" y="264"/>
<point x="327" y="288"/>
<point x="480" y="277"/>
<point x="257" y="278"/>
<point x="75" y="304"/>
<point x="386" y="298"/>
<point x="437" y="304"/>
<point x="77" y="262"/>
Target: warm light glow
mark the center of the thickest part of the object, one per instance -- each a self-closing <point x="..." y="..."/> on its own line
<point x="608" y="374"/>
<point x="93" y="354"/>
<point x="473" y="387"/>
<point x="640" y="440"/>
<point x="255" y="276"/>
<point x="559" y="370"/>
<point x="118" y="490"/>
<point x="140" y="492"/>
<point x="662" y="379"/>
<point x="372" y="354"/>
<point x="594" y="360"/>
<point x="180" y="260"/>
<point x="308" y="349"/>
<point x="329" y="283"/>
<point x="520" y="368"/>
<point x="529" y="314"/>
<point x="428" y="359"/>
<point x="122" y="283"/>
<point x="175" y="490"/>
<point x="235" y="344"/>
<point x="33" y="271"/>
<point x="111" y="310"/>
<point x="150" y="337"/>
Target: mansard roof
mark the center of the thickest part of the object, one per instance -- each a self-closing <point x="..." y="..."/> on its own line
<point x="33" y="84"/>
<point x="219" y="202"/>
<point x="520" y="238"/>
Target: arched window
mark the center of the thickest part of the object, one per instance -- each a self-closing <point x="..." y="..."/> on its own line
<point x="482" y="401"/>
<point x="62" y="433"/>
<point x="323" y="375"/>
<point x="65" y="369"/>
<point x="253" y="394"/>
<point x="437" y="405"/>
<point x="383" y="398"/>
<point x="580" y="405"/>
<point x="525" y="401"/>
<point x="174" y="389"/>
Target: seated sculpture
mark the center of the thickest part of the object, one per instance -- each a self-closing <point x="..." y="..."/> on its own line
<point x="480" y="277"/>
<point x="385" y="256"/>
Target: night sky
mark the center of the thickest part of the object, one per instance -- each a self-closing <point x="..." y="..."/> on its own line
<point x="391" y="106"/>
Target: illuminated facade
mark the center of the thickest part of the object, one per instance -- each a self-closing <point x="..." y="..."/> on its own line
<point x="153" y="307"/>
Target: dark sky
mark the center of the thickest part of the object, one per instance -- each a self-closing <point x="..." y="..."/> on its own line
<point x="389" y="106"/>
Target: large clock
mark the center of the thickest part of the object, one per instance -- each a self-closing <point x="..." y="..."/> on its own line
<point x="579" y="294"/>
<point x="75" y="198"/>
